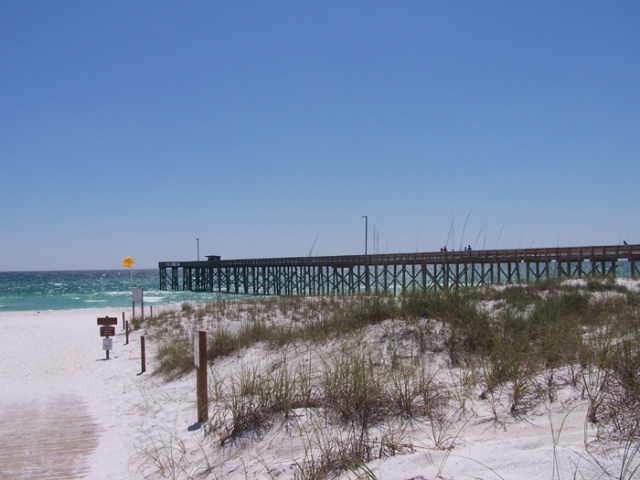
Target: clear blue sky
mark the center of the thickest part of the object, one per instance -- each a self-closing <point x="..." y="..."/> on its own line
<point x="133" y="128"/>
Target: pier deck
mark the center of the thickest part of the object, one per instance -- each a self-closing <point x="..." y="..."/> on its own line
<point x="396" y="272"/>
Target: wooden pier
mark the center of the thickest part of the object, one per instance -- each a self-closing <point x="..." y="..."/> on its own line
<point x="396" y="273"/>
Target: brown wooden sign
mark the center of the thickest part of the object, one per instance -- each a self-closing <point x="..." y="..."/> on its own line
<point x="107" y="331"/>
<point x="107" y="320"/>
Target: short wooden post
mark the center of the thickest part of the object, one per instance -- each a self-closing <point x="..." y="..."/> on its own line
<point x="202" y="392"/>
<point x="126" y="332"/>
<point x="151" y="310"/>
<point x="123" y="321"/>
<point x="143" y="359"/>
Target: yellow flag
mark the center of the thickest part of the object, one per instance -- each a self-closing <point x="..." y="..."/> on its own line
<point x="127" y="262"/>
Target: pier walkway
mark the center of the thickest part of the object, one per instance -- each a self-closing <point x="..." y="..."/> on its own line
<point x="397" y="272"/>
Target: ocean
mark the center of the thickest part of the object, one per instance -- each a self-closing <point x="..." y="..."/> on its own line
<point x="69" y="290"/>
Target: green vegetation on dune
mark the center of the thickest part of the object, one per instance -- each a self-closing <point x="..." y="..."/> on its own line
<point x="364" y="363"/>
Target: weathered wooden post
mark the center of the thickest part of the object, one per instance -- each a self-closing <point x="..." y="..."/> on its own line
<point x="143" y="359"/>
<point x="126" y="332"/>
<point x="200" y="361"/>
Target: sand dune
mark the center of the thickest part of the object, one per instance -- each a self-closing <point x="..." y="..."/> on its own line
<point x="66" y="412"/>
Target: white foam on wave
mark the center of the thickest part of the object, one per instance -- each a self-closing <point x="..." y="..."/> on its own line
<point x="153" y="299"/>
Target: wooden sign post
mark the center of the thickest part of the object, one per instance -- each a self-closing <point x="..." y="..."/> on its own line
<point x="107" y="330"/>
<point x="200" y="361"/>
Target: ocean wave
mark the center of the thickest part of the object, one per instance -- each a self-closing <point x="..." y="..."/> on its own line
<point x="154" y="299"/>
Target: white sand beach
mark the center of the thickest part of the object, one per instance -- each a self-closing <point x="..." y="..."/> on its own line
<point x="66" y="412"/>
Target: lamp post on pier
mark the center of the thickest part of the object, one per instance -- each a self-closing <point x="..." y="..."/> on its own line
<point x="198" y="247"/>
<point x="366" y="232"/>
<point x="367" y="283"/>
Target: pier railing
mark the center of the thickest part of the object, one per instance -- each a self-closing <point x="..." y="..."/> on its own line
<point x="396" y="272"/>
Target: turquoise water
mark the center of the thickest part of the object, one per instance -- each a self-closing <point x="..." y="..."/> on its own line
<point x="68" y="290"/>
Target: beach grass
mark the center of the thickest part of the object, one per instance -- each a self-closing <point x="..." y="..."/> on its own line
<point x="364" y="363"/>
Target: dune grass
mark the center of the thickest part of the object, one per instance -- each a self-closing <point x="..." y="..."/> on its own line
<point x="367" y="361"/>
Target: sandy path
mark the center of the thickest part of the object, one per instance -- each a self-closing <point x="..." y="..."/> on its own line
<point x="63" y="408"/>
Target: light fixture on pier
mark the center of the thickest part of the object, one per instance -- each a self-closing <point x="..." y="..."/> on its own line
<point x="366" y="232"/>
